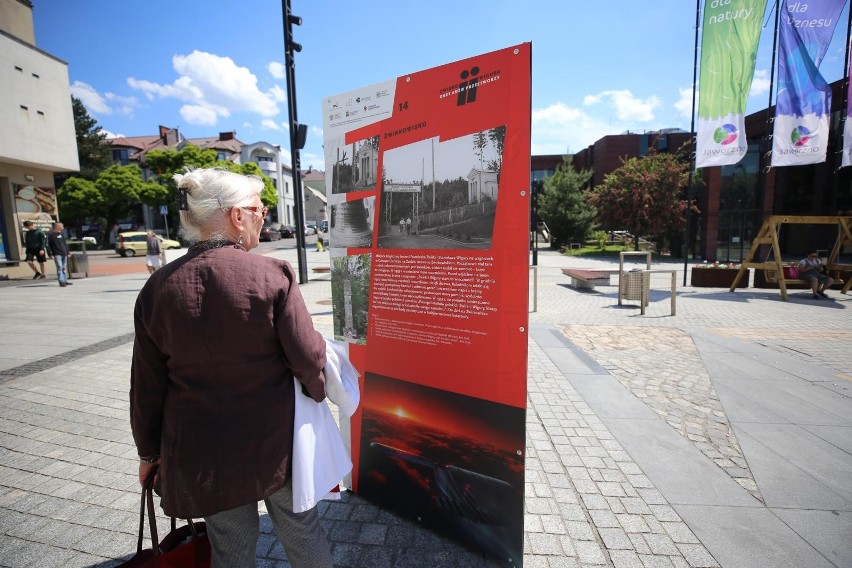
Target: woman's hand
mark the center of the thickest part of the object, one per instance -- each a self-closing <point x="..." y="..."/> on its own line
<point x="145" y="470"/>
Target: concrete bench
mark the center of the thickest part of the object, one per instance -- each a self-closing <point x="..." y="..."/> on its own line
<point x="588" y="278"/>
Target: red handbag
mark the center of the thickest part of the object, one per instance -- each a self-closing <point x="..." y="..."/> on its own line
<point x="791" y="272"/>
<point x="183" y="547"/>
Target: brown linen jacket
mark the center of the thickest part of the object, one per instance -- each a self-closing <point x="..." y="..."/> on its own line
<point x="219" y="335"/>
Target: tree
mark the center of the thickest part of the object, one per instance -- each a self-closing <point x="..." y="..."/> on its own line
<point x="93" y="152"/>
<point x="497" y="136"/>
<point x="564" y="204"/>
<point x="268" y="195"/>
<point x="78" y="198"/>
<point x="643" y="196"/>
<point x="166" y="163"/>
<point x="120" y="188"/>
<point x="77" y="202"/>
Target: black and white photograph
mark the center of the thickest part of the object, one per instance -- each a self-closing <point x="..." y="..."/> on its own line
<point x="350" y="292"/>
<point x="351" y="223"/>
<point x="442" y="194"/>
<point x="352" y="167"/>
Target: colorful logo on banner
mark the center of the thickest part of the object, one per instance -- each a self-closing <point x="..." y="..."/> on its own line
<point x="800" y="136"/>
<point x="804" y="97"/>
<point x="729" y="40"/>
<point x="725" y="134"/>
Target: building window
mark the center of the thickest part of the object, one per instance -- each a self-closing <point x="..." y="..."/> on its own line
<point x="221" y="156"/>
<point x="120" y="156"/>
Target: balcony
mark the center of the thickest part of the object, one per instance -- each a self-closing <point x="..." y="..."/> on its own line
<point x="266" y="166"/>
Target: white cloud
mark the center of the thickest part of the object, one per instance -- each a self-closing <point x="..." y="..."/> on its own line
<point x="316" y="131"/>
<point x="213" y="86"/>
<point x="560" y="129"/>
<point x="91" y="99"/>
<point x="276" y="69"/>
<point x="121" y="104"/>
<point x="628" y="108"/>
<point x="109" y="134"/>
<point x="269" y="124"/>
<point x="278" y="94"/>
<point x="198" y="114"/>
<point x="683" y="106"/>
<point x="759" y="83"/>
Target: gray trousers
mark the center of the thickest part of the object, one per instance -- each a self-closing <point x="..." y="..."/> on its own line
<point x="233" y="534"/>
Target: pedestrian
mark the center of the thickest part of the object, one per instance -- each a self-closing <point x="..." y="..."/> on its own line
<point x="813" y="270"/>
<point x="35" y="244"/>
<point x="401" y="225"/>
<point x="320" y="242"/>
<point x="220" y="335"/>
<point x="408" y="226"/>
<point x="57" y="248"/>
<point x="153" y="252"/>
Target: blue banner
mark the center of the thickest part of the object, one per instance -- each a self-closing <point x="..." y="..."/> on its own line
<point x="803" y="103"/>
<point x="846" y="159"/>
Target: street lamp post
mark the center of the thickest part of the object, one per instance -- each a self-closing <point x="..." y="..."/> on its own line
<point x="298" y="133"/>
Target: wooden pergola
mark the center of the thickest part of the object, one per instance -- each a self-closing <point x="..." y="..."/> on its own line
<point x="768" y="235"/>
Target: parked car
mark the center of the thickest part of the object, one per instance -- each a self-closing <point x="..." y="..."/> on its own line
<point x="311" y="228"/>
<point x="131" y="243"/>
<point x="323" y="226"/>
<point x="270" y="232"/>
<point x="288" y="231"/>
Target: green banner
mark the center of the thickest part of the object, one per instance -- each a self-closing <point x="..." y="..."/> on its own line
<point x="730" y="36"/>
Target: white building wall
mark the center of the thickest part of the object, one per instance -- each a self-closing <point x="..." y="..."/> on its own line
<point x="16" y="19"/>
<point x="36" y="118"/>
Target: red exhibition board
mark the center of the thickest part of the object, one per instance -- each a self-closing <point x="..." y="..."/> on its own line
<point x="427" y="179"/>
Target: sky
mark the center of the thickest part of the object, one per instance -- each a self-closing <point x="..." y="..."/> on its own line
<point x="214" y="66"/>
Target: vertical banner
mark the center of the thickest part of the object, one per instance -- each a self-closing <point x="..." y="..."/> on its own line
<point x="428" y="183"/>
<point x="729" y="39"/>
<point x="803" y="104"/>
<point x="846" y="158"/>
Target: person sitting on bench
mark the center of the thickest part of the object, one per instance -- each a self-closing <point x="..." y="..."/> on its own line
<point x="812" y="270"/>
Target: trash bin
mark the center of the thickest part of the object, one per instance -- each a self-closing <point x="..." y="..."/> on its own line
<point x="78" y="261"/>
<point x="633" y="282"/>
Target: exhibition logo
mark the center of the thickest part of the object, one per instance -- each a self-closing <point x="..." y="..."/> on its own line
<point x="467" y="88"/>
<point x="471" y="81"/>
<point x="800" y="136"/>
<point x="725" y="134"/>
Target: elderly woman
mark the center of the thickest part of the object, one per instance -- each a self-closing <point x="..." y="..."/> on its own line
<point x="220" y="333"/>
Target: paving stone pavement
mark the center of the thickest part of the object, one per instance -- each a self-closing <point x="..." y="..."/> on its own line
<point x="68" y="490"/>
<point x="663" y="369"/>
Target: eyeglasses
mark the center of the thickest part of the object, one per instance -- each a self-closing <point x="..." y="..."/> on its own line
<point x="255" y="209"/>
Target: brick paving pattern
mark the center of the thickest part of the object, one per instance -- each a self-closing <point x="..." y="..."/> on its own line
<point x="662" y="368"/>
<point x="68" y="489"/>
